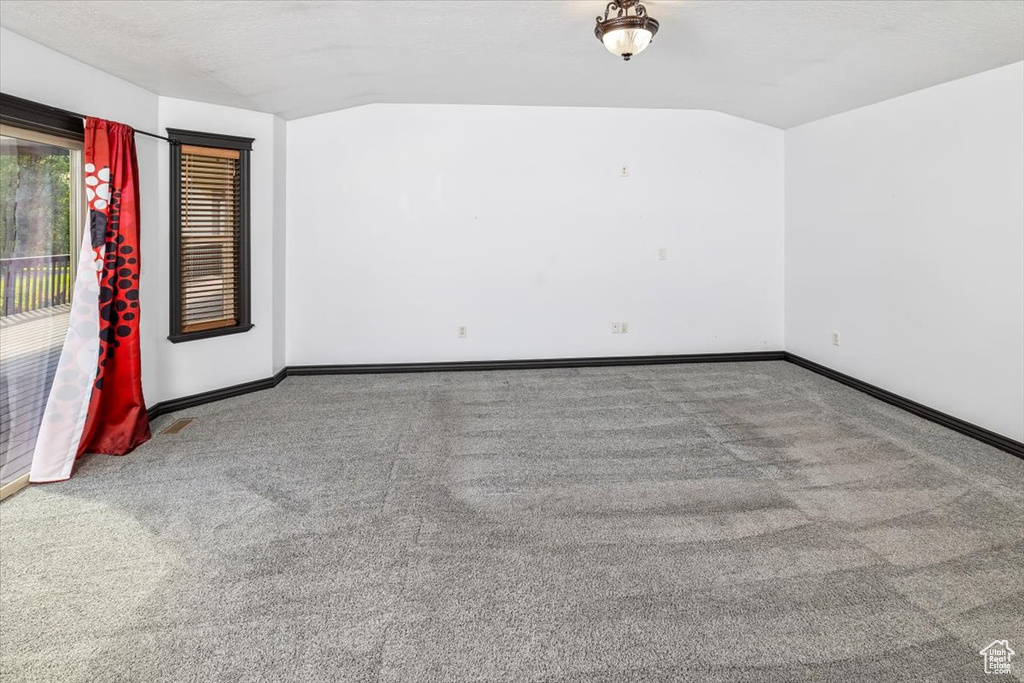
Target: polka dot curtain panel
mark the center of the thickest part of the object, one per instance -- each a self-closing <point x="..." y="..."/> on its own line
<point x="96" y="403"/>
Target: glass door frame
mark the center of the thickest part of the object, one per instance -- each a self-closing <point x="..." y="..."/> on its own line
<point x="78" y="208"/>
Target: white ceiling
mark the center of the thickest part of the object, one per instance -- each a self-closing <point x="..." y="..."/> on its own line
<point x="781" y="63"/>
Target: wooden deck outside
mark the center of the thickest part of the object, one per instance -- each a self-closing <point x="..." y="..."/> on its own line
<point x="30" y="345"/>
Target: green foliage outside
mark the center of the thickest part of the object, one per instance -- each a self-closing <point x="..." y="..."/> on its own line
<point x="35" y="212"/>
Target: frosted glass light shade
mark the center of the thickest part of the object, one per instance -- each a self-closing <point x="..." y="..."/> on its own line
<point x="625" y="35"/>
<point x="626" y="42"/>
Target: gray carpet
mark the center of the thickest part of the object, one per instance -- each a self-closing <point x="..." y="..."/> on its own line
<point x="720" y="522"/>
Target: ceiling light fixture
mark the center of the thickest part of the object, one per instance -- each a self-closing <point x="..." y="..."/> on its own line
<point x="623" y="34"/>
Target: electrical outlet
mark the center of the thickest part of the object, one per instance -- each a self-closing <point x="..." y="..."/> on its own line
<point x="625" y="171"/>
<point x="624" y="327"/>
<point x="663" y="254"/>
<point x="462" y="331"/>
<point x="835" y="338"/>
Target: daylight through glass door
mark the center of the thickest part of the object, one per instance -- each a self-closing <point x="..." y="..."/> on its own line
<point x="41" y="214"/>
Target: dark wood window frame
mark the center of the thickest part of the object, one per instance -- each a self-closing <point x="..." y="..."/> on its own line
<point x="40" y="118"/>
<point x="244" y="147"/>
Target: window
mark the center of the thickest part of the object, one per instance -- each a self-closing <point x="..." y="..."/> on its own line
<point x="209" y="235"/>
<point x="42" y="213"/>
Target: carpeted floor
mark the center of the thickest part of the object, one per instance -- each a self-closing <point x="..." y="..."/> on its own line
<point x="720" y="522"/>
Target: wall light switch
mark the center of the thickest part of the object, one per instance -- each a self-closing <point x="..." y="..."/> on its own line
<point x="835" y="338"/>
<point x="663" y="254"/>
<point x="625" y="171"/>
<point x="616" y="328"/>
<point x="462" y="331"/>
<point x="624" y="327"/>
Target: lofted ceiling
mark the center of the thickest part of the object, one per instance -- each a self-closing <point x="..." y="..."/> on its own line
<point x="781" y="63"/>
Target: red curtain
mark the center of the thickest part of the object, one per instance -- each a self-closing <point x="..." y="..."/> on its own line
<point x="116" y="421"/>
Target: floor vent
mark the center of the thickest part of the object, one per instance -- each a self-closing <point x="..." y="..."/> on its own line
<point x="177" y="425"/>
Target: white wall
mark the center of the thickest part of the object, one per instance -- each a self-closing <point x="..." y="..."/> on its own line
<point x="34" y="72"/>
<point x="406" y="221"/>
<point x="905" y="233"/>
<point x="37" y="73"/>
<point x="279" y="243"/>
<point x="195" y="366"/>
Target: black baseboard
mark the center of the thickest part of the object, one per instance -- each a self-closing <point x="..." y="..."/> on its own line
<point x="986" y="436"/>
<point x="186" y="402"/>
<point x="534" y="363"/>
<point x="1003" y="443"/>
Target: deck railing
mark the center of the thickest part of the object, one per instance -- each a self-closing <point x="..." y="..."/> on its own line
<point x="29" y="284"/>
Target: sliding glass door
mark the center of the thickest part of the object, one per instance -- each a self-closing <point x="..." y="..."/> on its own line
<point x="41" y="214"/>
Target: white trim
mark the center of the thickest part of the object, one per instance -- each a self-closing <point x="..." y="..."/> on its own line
<point x="13" y="131"/>
<point x="12" y="487"/>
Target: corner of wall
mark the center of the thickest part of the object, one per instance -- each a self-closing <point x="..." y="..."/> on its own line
<point x="785" y="223"/>
<point x="280" y="243"/>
